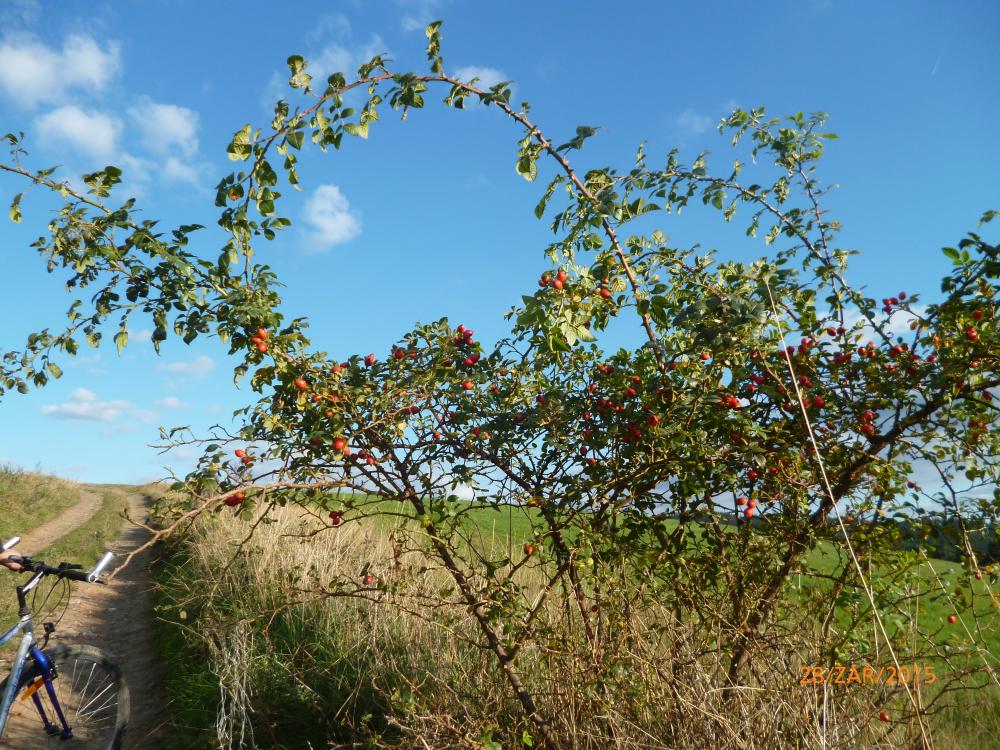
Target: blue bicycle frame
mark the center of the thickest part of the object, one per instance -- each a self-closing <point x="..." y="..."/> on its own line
<point x="27" y="647"/>
<point x="26" y="629"/>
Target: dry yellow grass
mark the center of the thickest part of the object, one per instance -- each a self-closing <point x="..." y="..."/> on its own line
<point x="299" y="647"/>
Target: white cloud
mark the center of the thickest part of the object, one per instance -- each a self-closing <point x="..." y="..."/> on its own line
<point x="165" y="127"/>
<point x="329" y="214"/>
<point x="84" y="405"/>
<point x="214" y="408"/>
<point x="93" y="133"/>
<point x="31" y="73"/>
<point x="141" y="336"/>
<point x="174" y="170"/>
<point x="171" y="402"/>
<point x="463" y="491"/>
<point x="197" y="367"/>
<point x="692" y="121"/>
<point x="488" y="77"/>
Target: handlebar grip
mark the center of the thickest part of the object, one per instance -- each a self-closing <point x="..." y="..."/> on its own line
<point x="75" y="575"/>
<point x="12" y="542"/>
<point x="101" y="565"/>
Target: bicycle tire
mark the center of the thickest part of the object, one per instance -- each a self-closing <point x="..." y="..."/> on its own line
<point x="92" y="694"/>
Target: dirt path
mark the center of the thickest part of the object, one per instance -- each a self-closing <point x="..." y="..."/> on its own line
<point x="118" y="618"/>
<point x="41" y="537"/>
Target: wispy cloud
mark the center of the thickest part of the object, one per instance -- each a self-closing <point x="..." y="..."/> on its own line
<point x="171" y="402"/>
<point x="329" y="215"/>
<point x="84" y="405"/>
<point x="937" y="64"/>
<point x="332" y="49"/>
<point x="16" y="13"/>
<point x="32" y="73"/>
<point x="418" y="13"/>
<point x="166" y="128"/>
<point x="198" y="367"/>
<point x="693" y="121"/>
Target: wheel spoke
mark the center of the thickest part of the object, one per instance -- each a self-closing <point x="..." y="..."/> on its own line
<point x="90" y="694"/>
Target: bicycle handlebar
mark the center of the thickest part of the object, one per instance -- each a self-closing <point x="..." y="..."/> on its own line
<point x="65" y="570"/>
<point x="12" y="542"/>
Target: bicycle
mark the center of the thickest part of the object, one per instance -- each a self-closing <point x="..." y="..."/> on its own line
<point x="76" y="691"/>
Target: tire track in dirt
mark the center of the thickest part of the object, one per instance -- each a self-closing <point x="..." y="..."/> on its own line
<point x="40" y="537"/>
<point x="118" y="619"/>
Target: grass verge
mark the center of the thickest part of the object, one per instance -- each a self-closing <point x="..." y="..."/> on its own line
<point x="27" y="499"/>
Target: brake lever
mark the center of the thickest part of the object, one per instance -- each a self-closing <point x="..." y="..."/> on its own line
<point x="69" y="566"/>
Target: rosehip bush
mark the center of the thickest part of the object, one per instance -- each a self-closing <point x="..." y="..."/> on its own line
<point x="673" y="495"/>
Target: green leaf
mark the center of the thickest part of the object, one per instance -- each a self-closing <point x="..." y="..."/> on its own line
<point x="121" y="340"/>
<point x="355" y="129"/>
<point x="54" y="369"/>
<point x="15" y="209"/>
<point x="240" y="148"/>
<point x="300" y="78"/>
<point x="583" y="132"/>
<point x="527" y="168"/>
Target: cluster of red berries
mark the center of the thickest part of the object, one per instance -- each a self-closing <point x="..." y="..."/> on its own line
<point x="260" y="340"/>
<point x="729" y="401"/>
<point x="464" y="335"/>
<point x="890" y="302"/>
<point x="749" y="506"/>
<point x="866" y="425"/>
<point x="556" y="283"/>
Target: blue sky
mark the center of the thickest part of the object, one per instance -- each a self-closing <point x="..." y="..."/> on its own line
<point x="428" y="218"/>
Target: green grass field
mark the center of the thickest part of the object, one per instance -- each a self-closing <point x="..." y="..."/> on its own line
<point x="28" y="500"/>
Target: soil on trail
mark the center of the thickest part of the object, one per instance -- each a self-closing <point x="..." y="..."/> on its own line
<point x="118" y="619"/>
<point x="41" y="537"/>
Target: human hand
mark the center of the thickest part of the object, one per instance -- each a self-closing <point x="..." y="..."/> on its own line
<point x="9" y="563"/>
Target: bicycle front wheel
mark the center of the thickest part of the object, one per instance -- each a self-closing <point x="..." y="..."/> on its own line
<point x="91" y="694"/>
